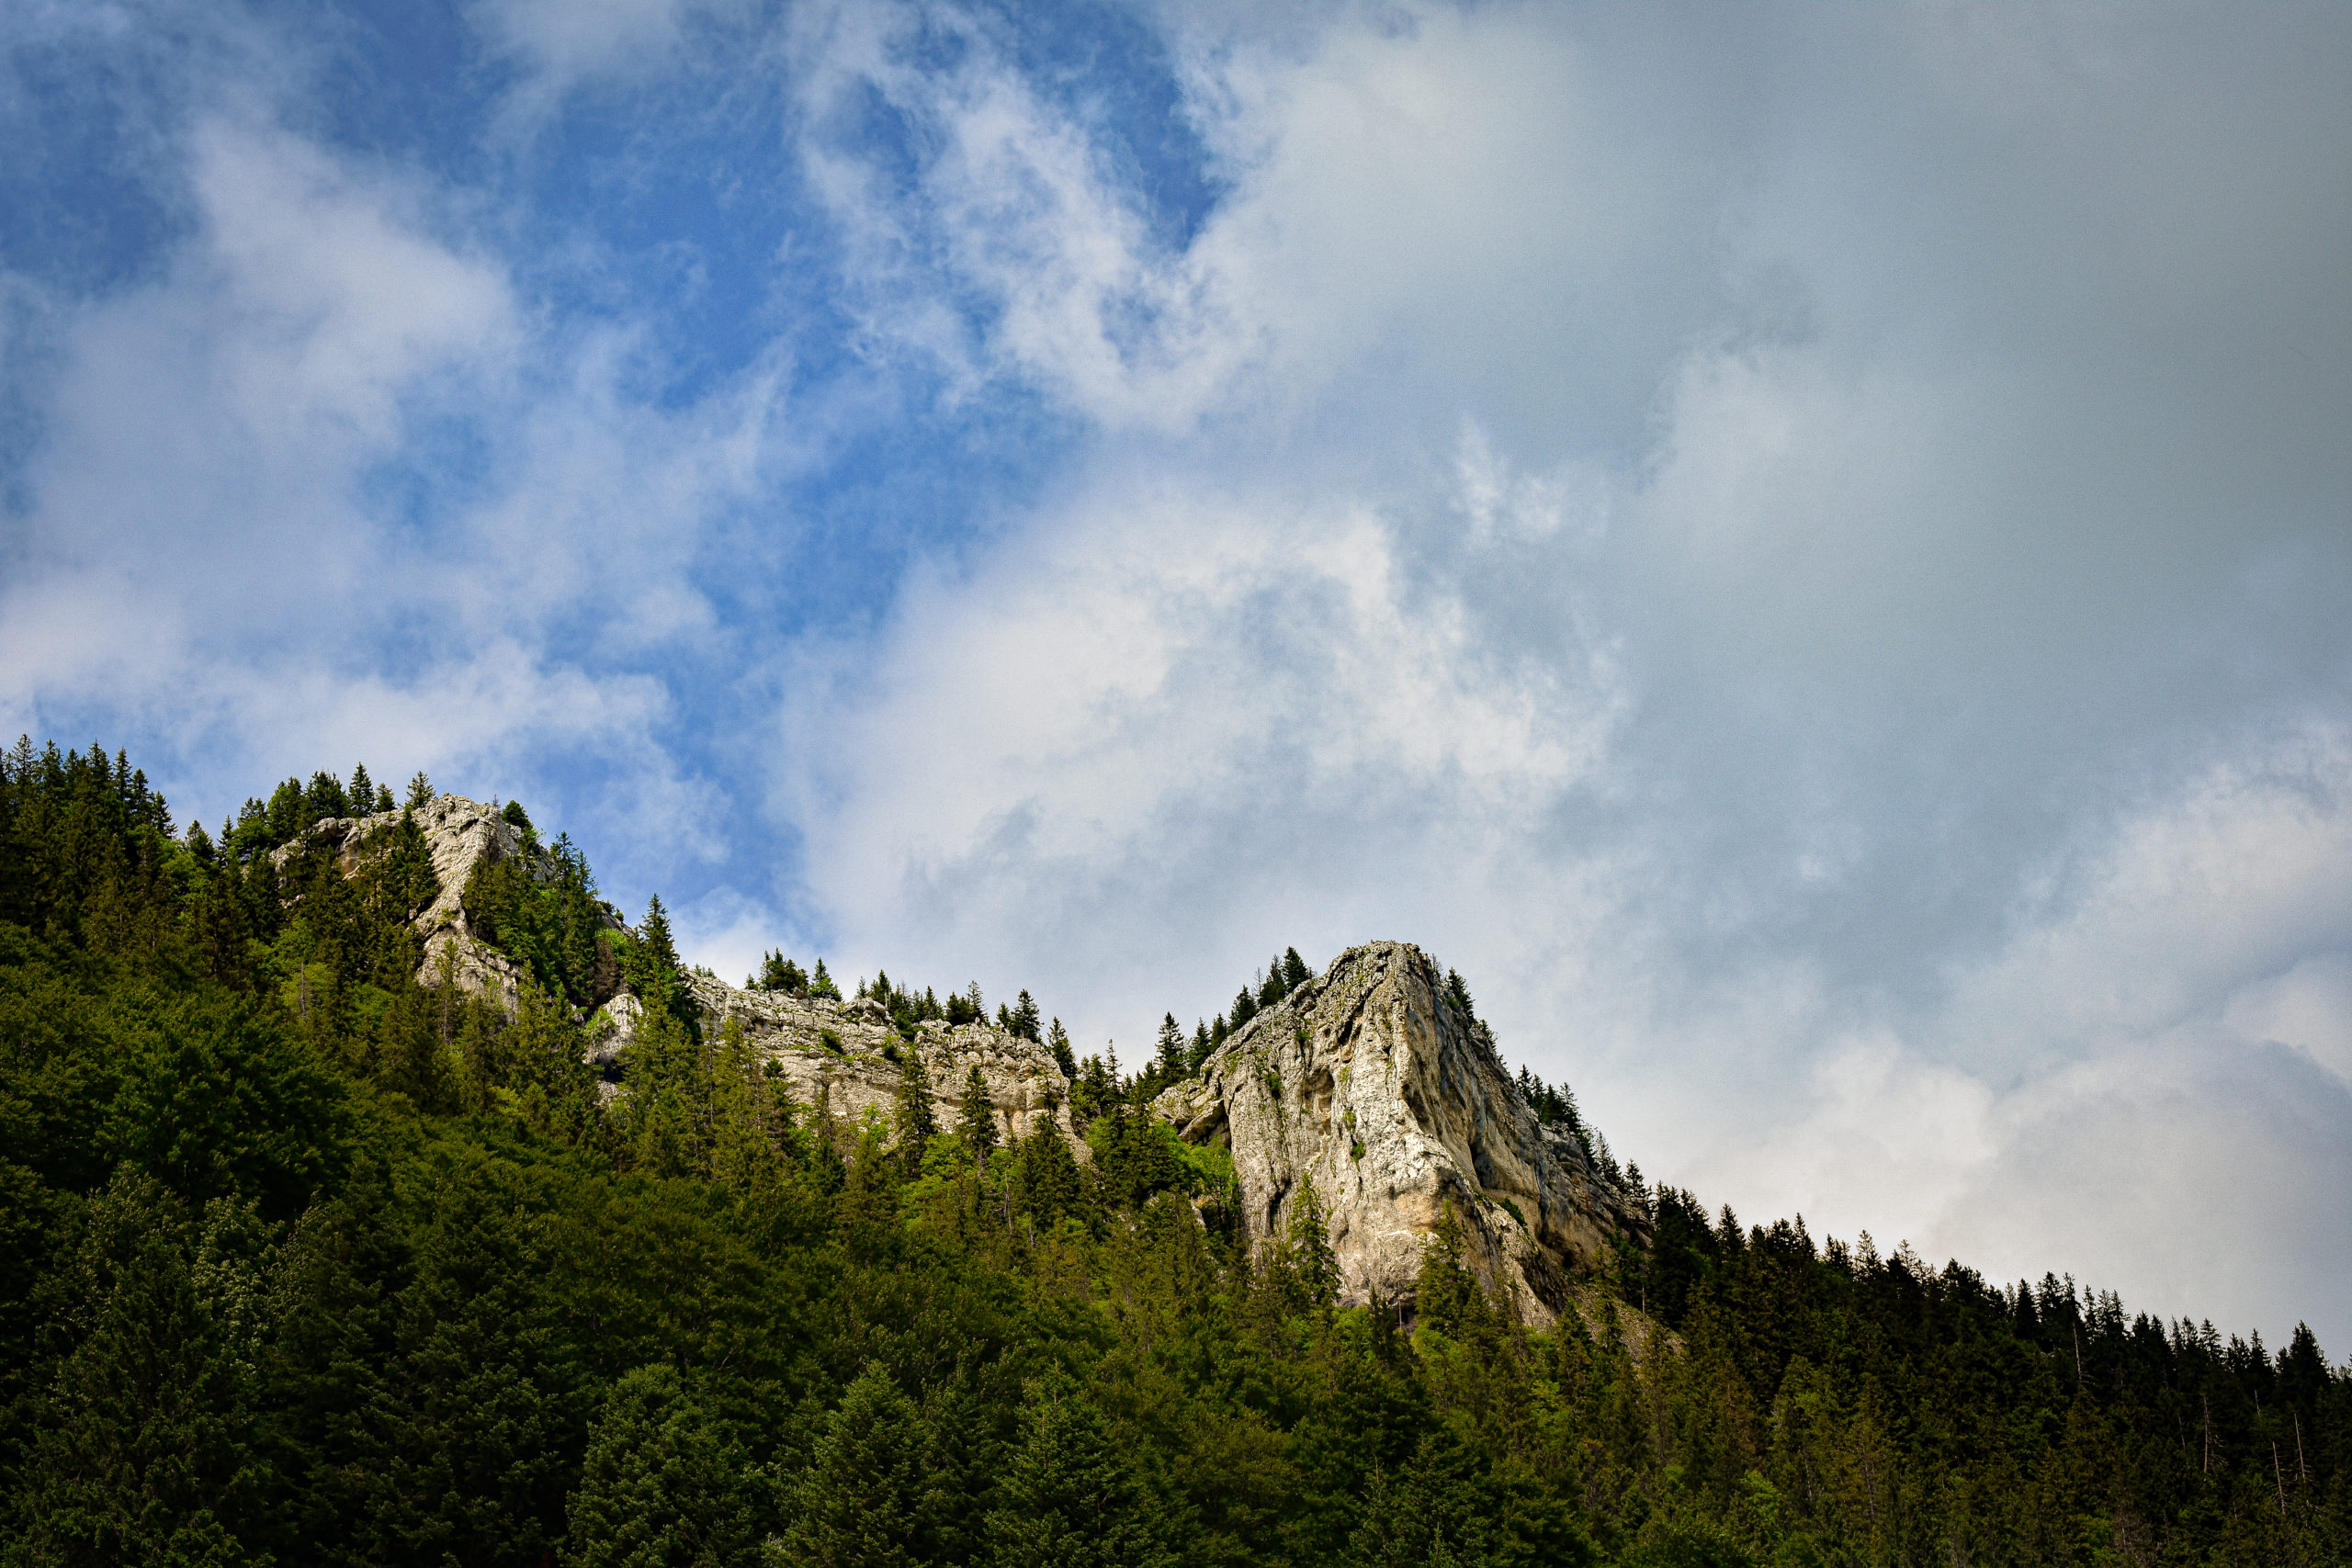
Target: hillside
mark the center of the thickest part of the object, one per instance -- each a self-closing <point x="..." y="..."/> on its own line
<point x="375" y="1193"/>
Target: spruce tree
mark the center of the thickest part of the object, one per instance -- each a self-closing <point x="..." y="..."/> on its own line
<point x="859" y="1502"/>
<point x="1308" y="1238"/>
<point x="1025" y="1017"/>
<point x="420" y="790"/>
<point x="1295" y="971"/>
<point x="1057" y="1042"/>
<point x="1173" y="1063"/>
<point x="1069" y="1499"/>
<point x="1201" y="1044"/>
<point x="975" y="1116"/>
<point x="917" y="1118"/>
<point x="662" y="1483"/>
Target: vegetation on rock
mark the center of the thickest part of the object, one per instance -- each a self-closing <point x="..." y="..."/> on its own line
<point x="309" y="1259"/>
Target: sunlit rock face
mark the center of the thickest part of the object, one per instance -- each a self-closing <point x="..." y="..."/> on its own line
<point x="458" y="833"/>
<point x="1370" y="1082"/>
<point x="849" y="1051"/>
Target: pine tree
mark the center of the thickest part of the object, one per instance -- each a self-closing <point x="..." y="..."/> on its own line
<point x="362" y="793"/>
<point x="1245" y="1008"/>
<point x="860" y="1502"/>
<point x="1025" y="1017"/>
<point x="1057" y="1042"/>
<point x="1459" y="994"/>
<point x="821" y="984"/>
<point x="1173" y="1063"/>
<point x="1201" y="1044"/>
<point x="1307" y="1239"/>
<point x="420" y="791"/>
<point x="1295" y="971"/>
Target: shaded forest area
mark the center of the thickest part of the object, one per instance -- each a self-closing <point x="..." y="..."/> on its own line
<point x="306" y="1261"/>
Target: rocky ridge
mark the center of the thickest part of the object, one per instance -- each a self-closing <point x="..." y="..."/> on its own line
<point x="1370" y="1082"/>
<point x="851" y="1049"/>
<point x="1366" y="1079"/>
<point x="458" y="833"/>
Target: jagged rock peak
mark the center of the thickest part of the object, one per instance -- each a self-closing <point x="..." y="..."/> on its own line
<point x="1369" y="1080"/>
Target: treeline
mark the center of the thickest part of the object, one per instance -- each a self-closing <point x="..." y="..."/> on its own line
<point x="306" y="1260"/>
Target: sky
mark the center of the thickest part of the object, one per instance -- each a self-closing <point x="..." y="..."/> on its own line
<point x="1805" y="549"/>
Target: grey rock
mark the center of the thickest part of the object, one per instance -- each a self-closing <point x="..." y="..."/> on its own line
<point x="458" y="834"/>
<point x="847" y="1048"/>
<point x="1370" y="1082"/>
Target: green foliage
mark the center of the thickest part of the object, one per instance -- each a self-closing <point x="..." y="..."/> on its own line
<point x="307" y="1258"/>
<point x="917" y="1118"/>
<point x="975" y="1116"/>
<point x="1069" y="1499"/>
<point x="662" y="1486"/>
<point x="860" y="1501"/>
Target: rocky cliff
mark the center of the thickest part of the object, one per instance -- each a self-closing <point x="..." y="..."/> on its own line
<point x="1367" y="1080"/>
<point x="849" y="1051"/>
<point x="1373" y="1085"/>
<point x="846" y="1048"/>
<point x="458" y="833"/>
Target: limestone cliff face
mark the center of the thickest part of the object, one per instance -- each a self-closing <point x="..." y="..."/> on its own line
<point x="458" y="834"/>
<point x="849" y="1051"/>
<point x="1370" y="1082"/>
<point x="844" y="1047"/>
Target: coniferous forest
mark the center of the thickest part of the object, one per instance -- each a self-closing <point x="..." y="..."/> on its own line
<point x="309" y="1262"/>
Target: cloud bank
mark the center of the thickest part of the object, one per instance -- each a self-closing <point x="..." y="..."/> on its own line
<point x="1803" y="551"/>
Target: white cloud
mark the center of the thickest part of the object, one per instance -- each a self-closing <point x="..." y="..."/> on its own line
<point x="1723" y="558"/>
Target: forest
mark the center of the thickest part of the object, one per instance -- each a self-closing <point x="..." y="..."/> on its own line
<point x="307" y="1260"/>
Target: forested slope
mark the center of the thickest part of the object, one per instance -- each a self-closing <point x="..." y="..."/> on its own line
<point x="309" y="1260"/>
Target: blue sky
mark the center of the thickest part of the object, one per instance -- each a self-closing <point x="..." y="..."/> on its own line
<point x="1804" y="549"/>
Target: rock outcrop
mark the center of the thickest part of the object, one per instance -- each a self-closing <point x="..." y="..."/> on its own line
<point x="458" y="833"/>
<point x="1370" y="1083"/>
<point x="850" y="1050"/>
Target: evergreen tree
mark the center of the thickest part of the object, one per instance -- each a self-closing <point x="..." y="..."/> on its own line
<point x="1172" y="1062"/>
<point x="1295" y="971"/>
<point x="1057" y="1042"/>
<point x="1202" y="1046"/>
<point x="1069" y="1499"/>
<point x="1245" y="1008"/>
<point x="420" y="791"/>
<point x="859" y="1504"/>
<point x="821" y="984"/>
<point x="1307" y="1240"/>
<point x="661" y="1486"/>
<point x="362" y="793"/>
<point x="1459" y="994"/>
<point x="1024" y="1020"/>
<point x="975" y="1116"/>
<point x="917" y="1118"/>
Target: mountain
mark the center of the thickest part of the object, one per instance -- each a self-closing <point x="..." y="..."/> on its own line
<point x="1370" y="1083"/>
<point x="372" y="1192"/>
